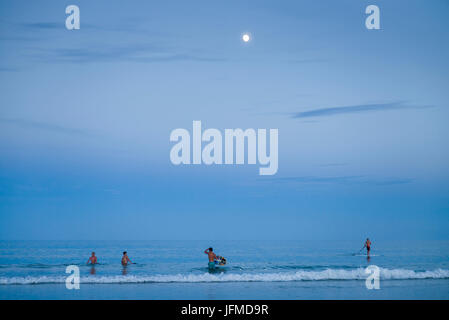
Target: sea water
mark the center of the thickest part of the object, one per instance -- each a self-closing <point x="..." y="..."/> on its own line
<point x="255" y="270"/>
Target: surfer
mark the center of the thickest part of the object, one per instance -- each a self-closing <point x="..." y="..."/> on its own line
<point x="125" y="259"/>
<point x="212" y="257"/>
<point x="92" y="259"/>
<point x="367" y="246"/>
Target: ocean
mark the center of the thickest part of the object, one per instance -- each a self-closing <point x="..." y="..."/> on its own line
<point x="255" y="270"/>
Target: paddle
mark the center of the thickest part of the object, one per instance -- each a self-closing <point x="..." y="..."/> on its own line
<point x="359" y="251"/>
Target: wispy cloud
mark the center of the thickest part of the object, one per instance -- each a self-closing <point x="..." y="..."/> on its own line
<point x="131" y="25"/>
<point x="22" y="39"/>
<point x="302" y="61"/>
<point x="126" y="26"/>
<point x="97" y="54"/>
<point x="177" y="57"/>
<point x="8" y="69"/>
<point x="145" y="46"/>
<point x="361" y="108"/>
<point x="335" y="164"/>
<point x="44" y="126"/>
<point x="346" y="180"/>
<point x="44" y="25"/>
<point x="392" y="181"/>
<point x="138" y="53"/>
<point x="314" y="179"/>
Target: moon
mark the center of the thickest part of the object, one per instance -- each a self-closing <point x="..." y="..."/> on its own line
<point x="246" y="37"/>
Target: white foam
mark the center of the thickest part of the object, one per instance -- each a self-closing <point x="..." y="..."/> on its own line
<point x="328" y="274"/>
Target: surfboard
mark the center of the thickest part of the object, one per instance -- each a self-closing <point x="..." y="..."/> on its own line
<point x="220" y="262"/>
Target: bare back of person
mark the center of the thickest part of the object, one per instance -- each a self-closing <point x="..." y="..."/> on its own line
<point x="125" y="259"/>
<point x="211" y="256"/>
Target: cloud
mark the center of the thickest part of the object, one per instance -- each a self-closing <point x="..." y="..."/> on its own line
<point x="335" y="164"/>
<point x="98" y="54"/>
<point x="392" y="181"/>
<point x="45" y="25"/>
<point x="8" y="69"/>
<point x="140" y="50"/>
<point x="314" y="179"/>
<point x="177" y="57"/>
<point x="139" y="54"/>
<point x="126" y="26"/>
<point x="301" y="61"/>
<point x="147" y="53"/>
<point x="20" y="39"/>
<point x="44" y="126"/>
<point x="345" y="180"/>
<point x="361" y="108"/>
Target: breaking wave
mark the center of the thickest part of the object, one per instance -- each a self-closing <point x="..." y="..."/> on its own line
<point x="304" y="275"/>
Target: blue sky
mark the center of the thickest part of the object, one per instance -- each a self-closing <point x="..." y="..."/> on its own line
<point x="86" y="115"/>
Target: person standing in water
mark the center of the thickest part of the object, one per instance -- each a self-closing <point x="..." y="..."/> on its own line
<point x="212" y="257"/>
<point x="92" y="259"/>
<point x="125" y="259"/>
<point x="367" y="246"/>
